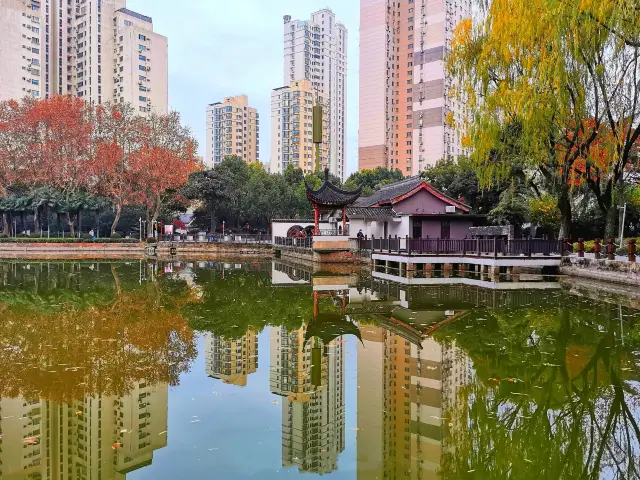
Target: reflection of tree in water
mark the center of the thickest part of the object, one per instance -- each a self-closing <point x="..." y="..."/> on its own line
<point x="66" y="332"/>
<point x="552" y="398"/>
<point x="232" y="304"/>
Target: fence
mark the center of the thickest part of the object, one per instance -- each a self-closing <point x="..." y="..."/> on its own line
<point x="306" y="243"/>
<point x="217" y="238"/>
<point x="464" y="247"/>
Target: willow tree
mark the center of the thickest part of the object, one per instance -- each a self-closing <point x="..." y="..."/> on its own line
<point x="559" y="69"/>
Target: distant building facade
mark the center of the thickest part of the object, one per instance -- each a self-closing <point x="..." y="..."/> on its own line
<point x="404" y="88"/>
<point x="316" y="50"/>
<point x="231" y="361"/>
<point x="99" y="51"/>
<point x="292" y="128"/>
<point x="99" y="436"/>
<point x="233" y="128"/>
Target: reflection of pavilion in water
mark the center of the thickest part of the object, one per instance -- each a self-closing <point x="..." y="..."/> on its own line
<point x="231" y="361"/>
<point x="307" y="370"/>
<point x="48" y="440"/>
<point x="408" y="382"/>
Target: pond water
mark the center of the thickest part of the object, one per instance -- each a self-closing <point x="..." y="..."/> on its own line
<point x="201" y="370"/>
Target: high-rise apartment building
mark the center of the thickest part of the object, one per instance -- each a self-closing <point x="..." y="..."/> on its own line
<point x="316" y="50"/>
<point x="405" y="94"/>
<point x="99" y="436"/>
<point x="97" y="50"/>
<point x="292" y="128"/>
<point x="233" y="128"/>
<point x="231" y="361"/>
<point x="21" y="49"/>
<point x="310" y="378"/>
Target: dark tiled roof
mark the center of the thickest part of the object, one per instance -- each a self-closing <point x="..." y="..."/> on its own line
<point x="371" y="212"/>
<point x="389" y="192"/>
<point x="330" y="195"/>
<point x="394" y="190"/>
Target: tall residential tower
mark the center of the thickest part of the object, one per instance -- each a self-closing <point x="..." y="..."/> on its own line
<point x="233" y="128"/>
<point x="292" y="128"/>
<point x="404" y="88"/>
<point x="97" y="50"/>
<point x="316" y="50"/>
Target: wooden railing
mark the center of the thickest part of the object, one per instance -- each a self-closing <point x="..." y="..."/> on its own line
<point x="464" y="247"/>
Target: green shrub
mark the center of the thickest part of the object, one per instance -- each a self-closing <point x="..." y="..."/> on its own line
<point x="115" y="235"/>
<point x="85" y="236"/>
<point x="4" y="235"/>
<point x="34" y="235"/>
<point x="152" y="240"/>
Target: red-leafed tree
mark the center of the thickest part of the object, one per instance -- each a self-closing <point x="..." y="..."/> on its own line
<point x="115" y="142"/>
<point x="166" y="157"/>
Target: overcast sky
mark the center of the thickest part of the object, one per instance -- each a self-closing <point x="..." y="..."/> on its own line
<point x="219" y="48"/>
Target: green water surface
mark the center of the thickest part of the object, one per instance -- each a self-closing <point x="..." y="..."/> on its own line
<point x="213" y="370"/>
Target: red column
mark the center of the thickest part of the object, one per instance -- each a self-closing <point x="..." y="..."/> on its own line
<point x="316" y="212"/>
<point x="344" y="220"/>
<point x="315" y="305"/>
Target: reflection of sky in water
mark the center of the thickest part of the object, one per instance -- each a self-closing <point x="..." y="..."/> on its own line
<point x="431" y="361"/>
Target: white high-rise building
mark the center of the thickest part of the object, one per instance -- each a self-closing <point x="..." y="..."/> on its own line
<point x="97" y="50"/>
<point x="316" y="50"/>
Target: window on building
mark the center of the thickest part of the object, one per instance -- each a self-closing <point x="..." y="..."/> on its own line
<point x="142" y="58"/>
<point x="142" y="99"/>
<point x="128" y="23"/>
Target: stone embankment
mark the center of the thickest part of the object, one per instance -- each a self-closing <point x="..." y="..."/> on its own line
<point x="601" y="270"/>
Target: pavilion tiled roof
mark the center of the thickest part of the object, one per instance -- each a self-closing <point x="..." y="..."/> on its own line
<point x="371" y="213"/>
<point x="331" y="196"/>
<point x="397" y="191"/>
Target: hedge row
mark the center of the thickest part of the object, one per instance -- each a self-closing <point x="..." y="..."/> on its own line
<point x="68" y="240"/>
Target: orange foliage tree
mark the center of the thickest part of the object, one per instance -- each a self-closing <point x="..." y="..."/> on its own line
<point x="165" y="159"/>
<point x="79" y="150"/>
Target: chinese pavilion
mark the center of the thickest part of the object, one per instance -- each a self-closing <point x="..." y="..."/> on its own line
<point x="330" y="198"/>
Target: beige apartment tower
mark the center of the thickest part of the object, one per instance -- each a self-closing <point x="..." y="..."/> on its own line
<point x="96" y="50"/>
<point x="292" y="127"/>
<point x="404" y="88"/>
<point x="21" y="49"/>
<point x="231" y="361"/>
<point x="98" y="436"/>
<point x="233" y="128"/>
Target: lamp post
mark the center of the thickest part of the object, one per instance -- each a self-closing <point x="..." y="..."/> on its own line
<point x="140" y="227"/>
<point x="223" y="230"/>
<point x="624" y="214"/>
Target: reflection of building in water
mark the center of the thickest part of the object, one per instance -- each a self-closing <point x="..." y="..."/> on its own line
<point x="49" y="440"/>
<point x="231" y="361"/>
<point x="404" y="392"/>
<point x="310" y="378"/>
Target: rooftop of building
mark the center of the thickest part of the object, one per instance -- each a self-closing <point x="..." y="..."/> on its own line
<point x="137" y="15"/>
<point x="397" y="190"/>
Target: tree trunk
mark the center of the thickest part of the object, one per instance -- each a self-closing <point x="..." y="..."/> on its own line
<point x="6" y="229"/>
<point x="23" y="220"/>
<point x="156" y="210"/>
<point x="611" y="218"/>
<point x="79" y="223"/>
<point x="564" y="205"/>
<point x="116" y="219"/>
<point x="71" y="221"/>
<point x="213" y="220"/>
<point x="36" y="220"/>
